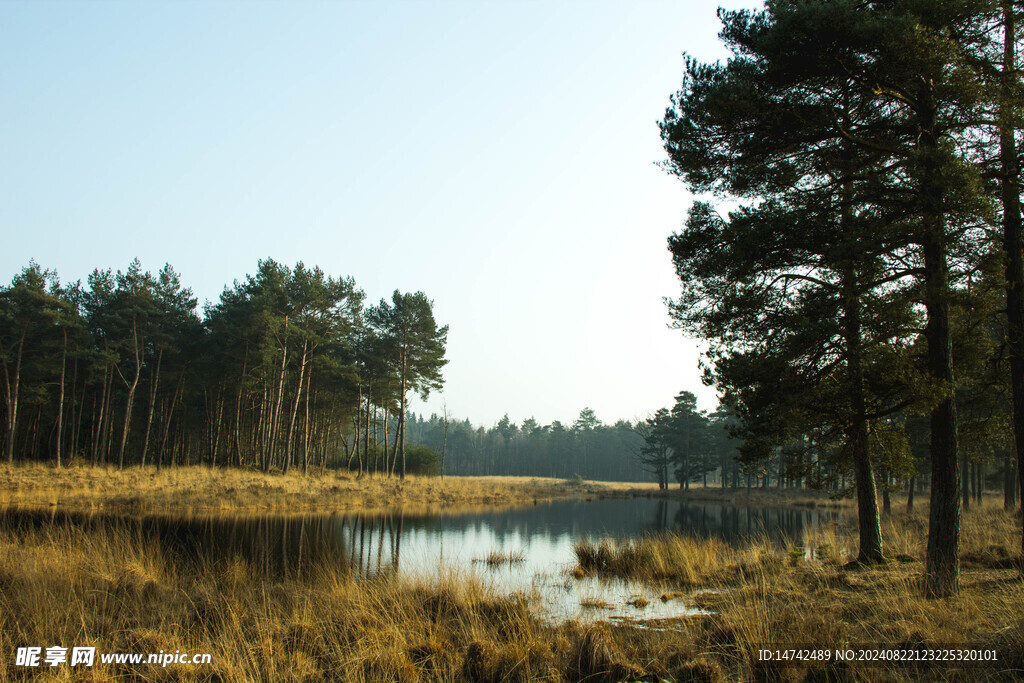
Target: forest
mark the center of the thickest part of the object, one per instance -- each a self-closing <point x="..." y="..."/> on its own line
<point x="287" y="369"/>
<point x="855" y="259"/>
<point x="696" y="447"/>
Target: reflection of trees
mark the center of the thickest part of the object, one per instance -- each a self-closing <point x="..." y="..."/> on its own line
<point x="275" y="547"/>
<point x="734" y="523"/>
<point x="365" y="535"/>
<point x="296" y="546"/>
<point x="368" y="545"/>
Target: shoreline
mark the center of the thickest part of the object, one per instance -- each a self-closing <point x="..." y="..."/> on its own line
<point x="200" y="488"/>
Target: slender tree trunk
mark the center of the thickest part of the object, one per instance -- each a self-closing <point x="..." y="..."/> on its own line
<point x="400" y="434"/>
<point x="11" y="392"/>
<point x="238" y="408"/>
<point x="295" y="409"/>
<point x="377" y="455"/>
<point x="131" y="394"/>
<point x="910" y="495"/>
<point x="366" y="431"/>
<point x="167" y="421"/>
<point x="60" y="401"/>
<point x="305" y="426"/>
<point x="444" y="442"/>
<point x="260" y="434"/>
<point x="357" y="423"/>
<point x="219" y="401"/>
<point x="389" y="461"/>
<point x="272" y="441"/>
<point x="324" y="446"/>
<point x="105" y="416"/>
<point x="77" y="409"/>
<point x="108" y="434"/>
<point x="152" y="404"/>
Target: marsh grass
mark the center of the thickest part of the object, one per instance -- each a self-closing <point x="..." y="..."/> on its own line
<point x="111" y="589"/>
<point x="119" y="591"/>
<point x="204" y="488"/>
<point x="142" y="489"/>
<point x="776" y="595"/>
<point x="685" y="561"/>
<point x="496" y="558"/>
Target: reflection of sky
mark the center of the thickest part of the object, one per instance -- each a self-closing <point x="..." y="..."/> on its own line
<point x="432" y="545"/>
<point x="544" y="536"/>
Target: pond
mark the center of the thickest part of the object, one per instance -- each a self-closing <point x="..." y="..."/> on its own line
<point x="540" y="538"/>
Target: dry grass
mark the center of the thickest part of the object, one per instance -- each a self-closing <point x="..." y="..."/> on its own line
<point x="205" y="489"/>
<point x="775" y="597"/>
<point x="685" y="561"/>
<point x="496" y="558"/>
<point x="110" y="589"/>
<point x="106" y="589"/>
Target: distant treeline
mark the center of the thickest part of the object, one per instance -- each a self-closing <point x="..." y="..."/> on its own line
<point x="287" y="368"/>
<point x="587" y="448"/>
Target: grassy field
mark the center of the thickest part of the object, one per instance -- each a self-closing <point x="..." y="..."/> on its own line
<point x="200" y="488"/>
<point x="203" y="488"/>
<point x="107" y="589"/>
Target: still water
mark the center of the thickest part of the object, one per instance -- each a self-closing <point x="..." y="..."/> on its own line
<point x="425" y="545"/>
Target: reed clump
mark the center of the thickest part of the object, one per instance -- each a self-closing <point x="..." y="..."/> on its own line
<point x="683" y="560"/>
<point x="496" y="558"/>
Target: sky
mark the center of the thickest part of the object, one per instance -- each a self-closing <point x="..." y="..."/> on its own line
<point x="499" y="156"/>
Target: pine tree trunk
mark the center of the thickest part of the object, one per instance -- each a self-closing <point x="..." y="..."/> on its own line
<point x="275" y="418"/>
<point x="11" y="392"/>
<point x="357" y="424"/>
<point x="305" y="426"/>
<point x="260" y="433"/>
<point x="131" y="395"/>
<point x="400" y="434"/>
<point x="444" y="443"/>
<point x="77" y="410"/>
<point x="238" y="409"/>
<point x="219" y="402"/>
<point x="60" y="401"/>
<point x="106" y="417"/>
<point x="1013" y="242"/>
<point x="295" y="409"/>
<point x="167" y="421"/>
<point x="942" y="572"/>
<point x="152" y="405"/>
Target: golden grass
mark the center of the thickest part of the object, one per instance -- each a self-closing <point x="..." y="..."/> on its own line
<point x="109" y="588"/>
<point x="496" y="558"/>
<point x="104" y="588"/>
<point x="202" y="488"/>
<point x="205" y="489"/>
<point x="775" y="597"/>
<point x="685" y="561"/>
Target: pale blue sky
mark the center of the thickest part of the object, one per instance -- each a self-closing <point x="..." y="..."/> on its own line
<point x="497" y="155"/>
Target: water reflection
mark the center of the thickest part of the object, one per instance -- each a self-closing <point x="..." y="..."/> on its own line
<point x="370" y="544"/>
